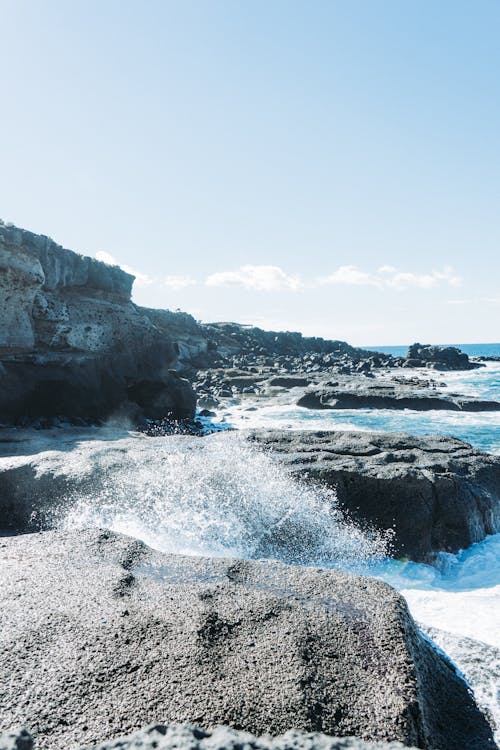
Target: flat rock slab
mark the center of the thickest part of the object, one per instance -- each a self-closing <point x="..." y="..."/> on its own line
<point x="436" y="493"/>
<point x="102" y="636"/>
<point x="355" y="392"/>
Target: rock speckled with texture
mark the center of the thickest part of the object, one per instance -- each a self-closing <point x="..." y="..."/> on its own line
<point x="102" y="636"/>
<point x="436" y="493"/>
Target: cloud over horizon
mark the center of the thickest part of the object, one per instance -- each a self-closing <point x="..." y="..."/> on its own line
<point x="269" y="278"/>
<point x="256" y="278"/>
<point x="392" y="277"/>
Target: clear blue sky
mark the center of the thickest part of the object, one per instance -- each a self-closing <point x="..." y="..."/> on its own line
<point x="331" y="167"/>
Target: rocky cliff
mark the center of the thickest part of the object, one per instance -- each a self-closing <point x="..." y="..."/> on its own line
<point x="73" y="344"/>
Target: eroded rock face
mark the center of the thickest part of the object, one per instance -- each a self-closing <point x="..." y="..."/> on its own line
<point x="107" y="635"/>
<point x="436" y="493"/>
<point x="71" y="341"/>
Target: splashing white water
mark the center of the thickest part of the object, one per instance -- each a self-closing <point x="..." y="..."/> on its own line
<point x="215" y="496"/>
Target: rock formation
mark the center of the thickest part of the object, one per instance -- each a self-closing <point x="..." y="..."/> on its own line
<point x="439" y="358"/>
<point x="73" y="344"/>
<point x="102" y="636"/>
<point x="188" y="737"/>
<point x="436" y="493"/>
<point x="351" y="392"/>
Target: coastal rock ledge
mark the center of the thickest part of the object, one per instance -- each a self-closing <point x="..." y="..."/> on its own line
<point x="437" y="493"/>
<point x="102" y="636"/>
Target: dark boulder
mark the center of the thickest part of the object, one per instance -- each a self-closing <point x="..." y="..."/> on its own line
<point x="439" y="357"/>
<point x="101" y="636"/>
<point x="354" y="392"/>
<point x="436" y="493"/>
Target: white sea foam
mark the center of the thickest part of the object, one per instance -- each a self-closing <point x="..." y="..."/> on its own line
<point x="213" y="496"/>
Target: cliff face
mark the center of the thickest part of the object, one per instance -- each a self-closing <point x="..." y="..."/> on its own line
<point x="71" y="341"/>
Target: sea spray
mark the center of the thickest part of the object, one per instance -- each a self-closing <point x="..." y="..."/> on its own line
<point x="214" y="496"/>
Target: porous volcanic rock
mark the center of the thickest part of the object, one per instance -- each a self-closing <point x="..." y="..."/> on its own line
<point x="72" y="343"/>
<point x="347" y="392"/>
<point x="188" y="737"/>
<point x="101" y="636"/>
<point x="436" y="493"/>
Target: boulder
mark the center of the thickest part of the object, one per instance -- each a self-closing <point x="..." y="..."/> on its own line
<point x="439" y="357"/>
<point x="436" y="493"/>
<point x="71" y="341"/>
<point x="102" y="636"/>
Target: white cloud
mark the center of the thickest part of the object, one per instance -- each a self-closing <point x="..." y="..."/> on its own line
<point x="257" y="278"/>
<point x="351" y="275"/>
<point x="141" y="279"/>
<point x="178" y="282"/>
<point x="391" y="277"/>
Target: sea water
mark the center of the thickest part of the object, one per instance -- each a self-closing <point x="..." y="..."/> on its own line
<point x="220" y="497"/>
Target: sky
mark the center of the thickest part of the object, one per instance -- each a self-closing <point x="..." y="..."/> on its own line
<point x="328" y="167"/>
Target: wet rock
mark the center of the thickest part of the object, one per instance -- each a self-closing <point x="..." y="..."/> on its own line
<point x="290" y="381"/>
<point x="351" y="392"/>
<point x="108" y="635"/>
<point x="436" y="493"/>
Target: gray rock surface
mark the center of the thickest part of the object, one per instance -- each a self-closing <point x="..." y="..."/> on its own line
<point x="71" y="341"/>
<point x="437" y="493"/>
<point x="188" y="737"/>
<point x="351" y="392"/>
<point x="102" y="636"/>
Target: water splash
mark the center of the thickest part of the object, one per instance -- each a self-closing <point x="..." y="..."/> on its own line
<point x="214" y="496"/>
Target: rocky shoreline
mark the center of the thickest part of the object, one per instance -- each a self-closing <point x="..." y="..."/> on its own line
<point x="75" y="349"/>
<point x="103" y="635"/>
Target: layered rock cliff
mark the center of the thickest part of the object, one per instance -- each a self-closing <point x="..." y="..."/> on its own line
<point x="73" y="344"/>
